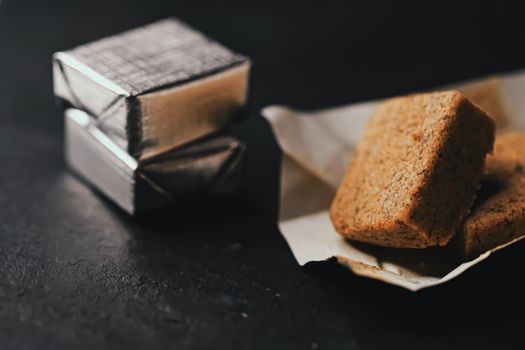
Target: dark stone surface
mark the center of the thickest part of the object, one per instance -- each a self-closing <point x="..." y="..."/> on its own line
<point x="75" y="272"/>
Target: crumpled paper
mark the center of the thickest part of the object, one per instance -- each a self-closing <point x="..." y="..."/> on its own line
<point x="317" y="147"/>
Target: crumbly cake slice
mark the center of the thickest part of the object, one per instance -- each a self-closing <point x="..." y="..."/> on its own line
<point x="415" y="171"/>
<point x="498" y="215"/>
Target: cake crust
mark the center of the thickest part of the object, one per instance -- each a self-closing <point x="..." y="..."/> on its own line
<point x="415" y="171"/>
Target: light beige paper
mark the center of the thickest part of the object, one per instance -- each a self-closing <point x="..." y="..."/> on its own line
<point x="317" y="147"/>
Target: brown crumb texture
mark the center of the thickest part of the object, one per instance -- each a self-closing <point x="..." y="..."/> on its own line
<point x="415" y="171"/>
<point x="498" y="215"/>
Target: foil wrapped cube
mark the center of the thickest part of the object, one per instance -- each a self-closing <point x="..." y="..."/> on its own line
<point x="143" y="111"/>
<point x="210" y="167"/>
<point x="154" y="88"/>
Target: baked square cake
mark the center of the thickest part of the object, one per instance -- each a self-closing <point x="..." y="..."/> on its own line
<point x="498" y="214"/>
<point x="415" y="171"/>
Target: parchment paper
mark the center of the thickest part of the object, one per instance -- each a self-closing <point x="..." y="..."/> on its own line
<point x="317" y="147"/>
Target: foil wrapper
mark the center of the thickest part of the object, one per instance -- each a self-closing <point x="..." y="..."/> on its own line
<point x="140" y="108"/>
<point x="154" y="88"/>
<point x="210" y="167"/>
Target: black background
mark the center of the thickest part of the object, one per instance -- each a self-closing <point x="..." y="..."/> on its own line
<point x="75" y="272"/>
